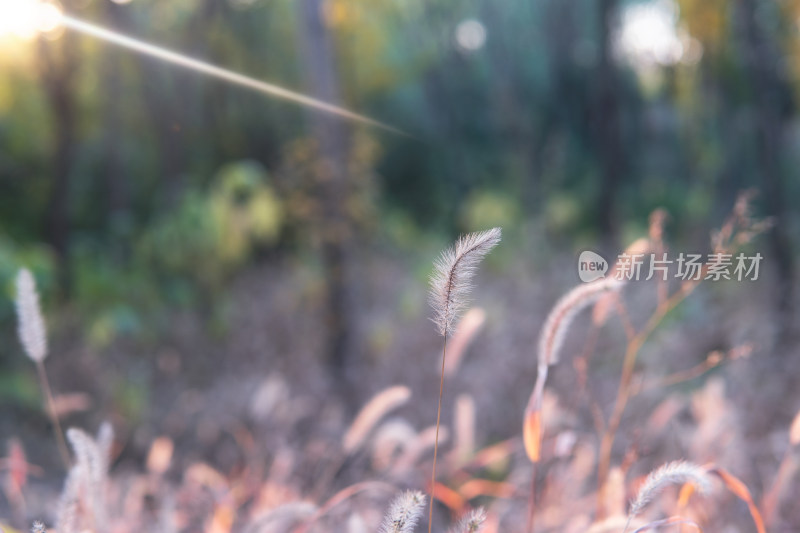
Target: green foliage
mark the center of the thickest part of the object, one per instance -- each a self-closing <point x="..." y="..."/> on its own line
<point x="211" y="234"/>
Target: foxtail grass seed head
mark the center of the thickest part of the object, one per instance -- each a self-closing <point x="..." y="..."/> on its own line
<point x="472" y="523"/>
<point x="30" y="323"/>
<point x="674" y="473"/>
<point x="404" y="513"/>
<point x="564" y="312"/>
<point x="451" y="281"/>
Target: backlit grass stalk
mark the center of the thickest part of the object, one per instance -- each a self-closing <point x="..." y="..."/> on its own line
<point x="33" y="337"/>
<point x="551" y="340"/>
<point x="674" y="473"/>
<point x="451" y="284"/>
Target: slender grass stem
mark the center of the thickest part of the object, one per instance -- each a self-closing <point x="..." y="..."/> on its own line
<point x="624" y="391"/>
<point x="532" y="500"/>
<point x="436" y="440"/>
<point x="51" y="410"/>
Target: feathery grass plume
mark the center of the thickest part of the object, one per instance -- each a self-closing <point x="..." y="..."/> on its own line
<point x="30" y="323"/>
<point x="69" y="502"/>
<point x="674" y="473"/>
<point x="472" y="523"/>
<point x="564" y="312"/>
<point x="403" y="513"/>
<point x="451" y="284"/>
<point x="33" y="337"/>
<point x="551" y="339"/>
<point x="87" y="480"/>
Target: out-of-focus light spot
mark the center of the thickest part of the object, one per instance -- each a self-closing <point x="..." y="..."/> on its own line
<point x="121" y="1"/>
<point x="242" y="4"/>
<point x="649" y="35"/>
<point x="692" y="50"/>
<point x="27" y="18"/>
<point x="470" y="35"/>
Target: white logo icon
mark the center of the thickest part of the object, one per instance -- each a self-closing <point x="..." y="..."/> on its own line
<point x="591" y="266"/>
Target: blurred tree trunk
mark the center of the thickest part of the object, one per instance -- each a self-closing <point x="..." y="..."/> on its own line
<point x="772" y="100"/>
<point x="166" y="111"/>
<point x="58" y="63"/>
<point x="115" y="178"/>
<point x="607" y="127"/>
<point x="332" y="136"/>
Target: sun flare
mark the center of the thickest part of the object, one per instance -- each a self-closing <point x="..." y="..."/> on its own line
<point x="27" y="18"/>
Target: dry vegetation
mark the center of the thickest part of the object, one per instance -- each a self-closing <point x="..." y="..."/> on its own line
<point x="304" y="472"/>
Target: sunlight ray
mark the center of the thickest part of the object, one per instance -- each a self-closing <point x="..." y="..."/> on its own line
<point x="218" y="72"/>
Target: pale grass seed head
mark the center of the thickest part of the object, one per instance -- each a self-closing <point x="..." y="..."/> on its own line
<point x="472" y="522"/>
<point x="30" y="323"/>
<point x="404" y="513"/>
<point x="564" y="312"/>
<point x="454" y="270"/>
<point x="83" y="497"/>
<point x="674" y="473"/>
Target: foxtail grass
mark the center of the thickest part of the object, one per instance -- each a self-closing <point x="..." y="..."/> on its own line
<point x="404" y="513"/>
<point x="674" y="473"/>
<point x="450" y="287"/>
<point x="472" y="523"/>
<point x="32" y="334"/>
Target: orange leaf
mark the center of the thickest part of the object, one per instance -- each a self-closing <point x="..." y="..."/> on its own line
<point x="450" y="498"/>
<point x="483" y="487"/>
<point x="17" y="464"/>
<point x="532" y="434"/>
<point x="686" y="492"/>
<point x="160" y="455"/>
<point x="794" y="432"/>
<point x="736" y="486"/>
<point x="222" y="521"/>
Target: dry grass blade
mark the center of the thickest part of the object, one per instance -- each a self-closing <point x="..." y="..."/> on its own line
<point x="464" y="426"/>
<point x="451" y="282"/>
<point x="532" y="432"/>
<point x="382" y="403"/>
<point x="794" y="431"/>
<point x="468" y="327"/>
<point x="674" y="473"/>
<point x="404" y="513"/>
<point x="741" y="491"/>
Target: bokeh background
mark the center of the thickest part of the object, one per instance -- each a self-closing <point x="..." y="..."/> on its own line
<point x="197" y="243"/>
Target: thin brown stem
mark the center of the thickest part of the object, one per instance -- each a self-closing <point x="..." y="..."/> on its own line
<point x="51" y="408"/>
<point x="532" y="500"/>
<point x="624" y="391"/>
<point x="436" y="440"/>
